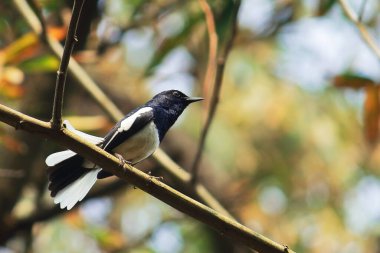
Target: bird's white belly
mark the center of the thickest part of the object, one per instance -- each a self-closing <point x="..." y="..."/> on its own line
<point x="140" y="145"/>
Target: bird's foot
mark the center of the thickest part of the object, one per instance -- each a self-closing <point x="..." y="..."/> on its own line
<point x="159" y="178"/>
<point x="122" y="160"/>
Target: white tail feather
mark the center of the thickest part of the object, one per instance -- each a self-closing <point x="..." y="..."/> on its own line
<point x="91" y="138"/>
<point x="77" y="190"/>
<point x="58" y="157"/>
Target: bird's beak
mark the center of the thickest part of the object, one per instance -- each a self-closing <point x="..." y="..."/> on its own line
<point x="193" y="99"/>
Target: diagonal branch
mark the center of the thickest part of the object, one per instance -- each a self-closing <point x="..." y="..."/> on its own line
<point x="71" y="39"/>
<point x="147" y="183"/>
<point x="216" y="92"/>
<point x="366" y="36"/>
<point x="112" y="110"/>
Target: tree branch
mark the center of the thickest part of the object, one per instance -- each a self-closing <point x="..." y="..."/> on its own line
<point x="366" y="36"/>
<point x="147" y="183"/>
<point x="216" y="92"/>
<point x="71" y="39"/>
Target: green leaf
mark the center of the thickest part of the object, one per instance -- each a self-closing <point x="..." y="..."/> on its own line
<point x="44" y="63"/>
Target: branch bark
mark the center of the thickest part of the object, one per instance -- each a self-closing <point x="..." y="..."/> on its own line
<point x="71" y="39"/>
<point x="147" y="183"/>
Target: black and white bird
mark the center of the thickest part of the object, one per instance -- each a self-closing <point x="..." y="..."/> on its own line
<point x="136" y="136"/>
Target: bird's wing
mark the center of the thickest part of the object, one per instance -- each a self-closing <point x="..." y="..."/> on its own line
<point x="127" y="127"/>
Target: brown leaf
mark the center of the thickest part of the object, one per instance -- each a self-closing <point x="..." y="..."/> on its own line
<point x="352" y="81"/>
<point x="57" y="32"/>
<point x="371" y="113"/>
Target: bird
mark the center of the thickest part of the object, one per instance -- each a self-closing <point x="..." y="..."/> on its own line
<point x="136" y="136"/>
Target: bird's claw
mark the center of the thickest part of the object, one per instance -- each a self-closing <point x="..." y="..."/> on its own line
<point x="122" y="160"/>
<point x="159" y="178"/>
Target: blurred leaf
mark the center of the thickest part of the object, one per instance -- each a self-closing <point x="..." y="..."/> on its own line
<point x="371" y="113"/>
<point x="75" y="219"/>
<point x="44" y="63"/>
<point x="109" y="240"/>
<point x="10" y="90"/>
<point x="57" y="32"/>
<point x="224" y="20"/>
<point x="173" y="42"/>
<point x="352" y="81"/>
<point x="27" y="46"/>
<point x="324" y="6"/>
<point x="12" y="52"/>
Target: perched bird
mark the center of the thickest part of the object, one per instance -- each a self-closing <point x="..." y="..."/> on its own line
<point x="137" y="136"/>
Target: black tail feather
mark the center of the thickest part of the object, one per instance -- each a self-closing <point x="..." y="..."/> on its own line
<point x="64" y="173"/>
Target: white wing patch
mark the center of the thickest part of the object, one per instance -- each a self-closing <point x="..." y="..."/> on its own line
<point x="77" y="190"/>
<point x="126" y="124"/>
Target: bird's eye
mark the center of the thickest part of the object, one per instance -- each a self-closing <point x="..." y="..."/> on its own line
<point x="176" y="94"/>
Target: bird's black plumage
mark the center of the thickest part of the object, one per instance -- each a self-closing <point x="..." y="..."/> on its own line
<point x="139" y="133"/>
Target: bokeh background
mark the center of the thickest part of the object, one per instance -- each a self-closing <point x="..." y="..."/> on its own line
<point x="293" y="151"/>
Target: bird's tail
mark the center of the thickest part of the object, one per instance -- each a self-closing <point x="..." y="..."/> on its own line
<point x="69" y="180"/>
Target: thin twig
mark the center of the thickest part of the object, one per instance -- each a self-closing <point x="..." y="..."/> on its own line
<point x="71" y="39"/>
<point x="366" y="36"/>
<point x="112" y="110"/>
<point x="216" y="92"/>
<point x="145" y="182"/>
<point x="212" y="48"/>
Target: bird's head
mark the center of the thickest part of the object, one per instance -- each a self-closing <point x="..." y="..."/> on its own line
<point x="168" y="106"/>
<point x="174" y="100"/>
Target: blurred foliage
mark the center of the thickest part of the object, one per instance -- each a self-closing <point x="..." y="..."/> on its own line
<point x="294" y="150"/>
